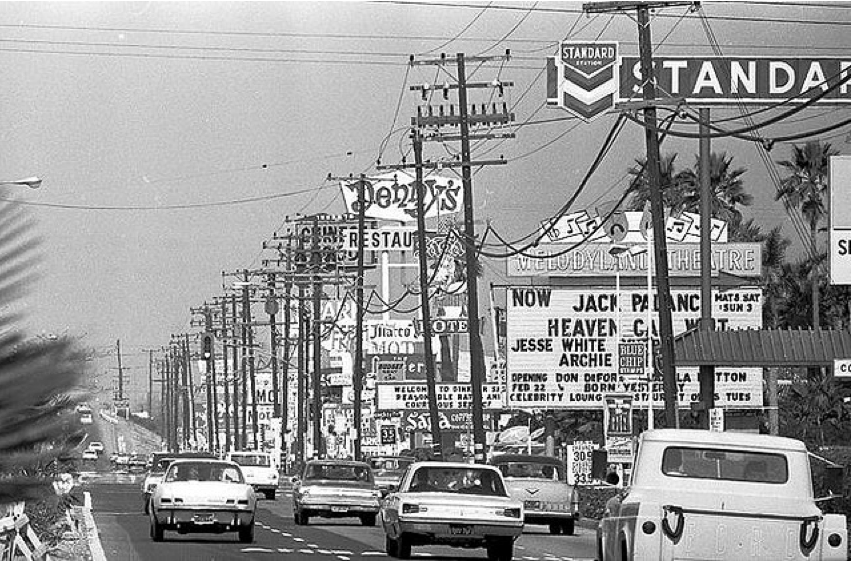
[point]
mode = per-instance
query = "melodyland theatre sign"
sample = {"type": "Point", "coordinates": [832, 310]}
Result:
{"type": "Point", "coordinates": [588, 78]}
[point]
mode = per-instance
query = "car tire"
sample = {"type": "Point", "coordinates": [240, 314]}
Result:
{"type": "Point", "coordinates": [367, 519]}
{"type": "Point", "coordinates": [568, 527]}
{"type": "Point", "coordinates": [555, 528]}
{"type": "Point", "coordinates": [157, 533]}
{"type": "Point", "coordinates": [147, 507]}
{"type": "Point", "coordinates": [246, 533]}
{"type": "Point", "coordinates": [301, 518]}
{"type": "Point", "coordinates": [500, 549]}
{"type": "Point", "coordinates": [270, 495]}
{"type": "Point", "coordinates": [391, 547]}
{"type": "Point", "coordinates": [403, 547]}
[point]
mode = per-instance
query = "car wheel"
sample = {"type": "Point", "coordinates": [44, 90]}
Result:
{"type": "Point", "coordinates": [367, 519]}
{"type": "Point", "coordinates": [391, 547]}
{"type": "Point", "coordinates": [157, 532]}
{"type": "Point", "coordinates": [500, 549]}
{"type": "Point", "coordinates": [301, 518]}
{"type": "Point", "coordinates": [246, 533]}
{"type": "Point", "coordinates": [147, 502]}
{"type": "Point", "coordinates": [403, 547]}
{"type": "Point", "coordinates": [568, 527]}
{"type": "Point", "coordinates": [270, 495]}
{"type": "Point", "coordinates": [555, 528]}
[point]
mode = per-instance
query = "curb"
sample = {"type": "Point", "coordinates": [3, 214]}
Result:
{"type": "Point", "coordinates": [92, 536]}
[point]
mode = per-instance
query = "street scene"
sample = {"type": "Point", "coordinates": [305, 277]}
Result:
{"type": "Point", "coordinates": [538, 281]}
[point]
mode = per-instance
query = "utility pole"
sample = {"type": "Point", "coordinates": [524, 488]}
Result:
{"type": "Point", "coordinates": [213, 408]}
{"type": "Point", "coordinates": [358, 366]}
{"type": "Point", "coordinates": [120, 372]}
{"type": "Point", "coordinates": [317, 340]}
{"type": "Point", "coordinates": [238, 429]}
{"type": "Point", "coordinates": [166, 400]}
{"type": "Point", "coordinates": [657, 208]}
{"type": "Point", "coordinates": [189, 388]}
{"type": "Point", "coordinates": [706, 373]}
{"type": "Point", "coordinates": [225, 383]}
{"type": "Point", "coordinates": [272, 310]}
{"type": "Point", "coordinates": [301, 397]}
{"type": "Point", "coordinates": [250, 330]}
{"type": "Point", "coordinates": [425, 304]}
{"type": "Point", "coordinates": [488, 116]}
{"type": "Point", "coordinates": [285, 382]}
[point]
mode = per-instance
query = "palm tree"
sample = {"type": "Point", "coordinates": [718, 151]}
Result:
{"type": "Point", "coordinates": [639, 184]}
{"type": "Point", "coordinates": [726, 185]}
{"type": "Point", "coordinates": [804, 190]}
{"type": "Point", "coordinates": [36, 377]}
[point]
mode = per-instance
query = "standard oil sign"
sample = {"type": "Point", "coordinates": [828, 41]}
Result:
{"type": "Point", "coordinates": [840, 220]}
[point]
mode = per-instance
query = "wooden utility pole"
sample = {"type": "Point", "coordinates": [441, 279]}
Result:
{"type": "Point", "coordinates": [657, 207]}
{"type": "Point", "coordinates": [302, 374]}
{"type": "Point", "coordinates": [238, 420]}
{"type": "Point", "coordinates": [285, 381]}
{"type": "Point", "coordinates": [225, 383]}
{"type": "Point", "coordinates": [272, 311]}
{"type": "Point", "coordinates": [706, 373]}
{"type": "Point", "coordinates": [488, 116]}
{"type": "Point", "coordinates": [120, 371]}
{"type": "Point", "coordinates": [425, 304]}
{"type": "Point", "coordinates": [358, 358]}
{"type": "Point", "coordinates": [316, 260]}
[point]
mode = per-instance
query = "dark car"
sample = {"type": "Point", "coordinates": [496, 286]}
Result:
{"type": "Point", "coordinates": [336, 489]}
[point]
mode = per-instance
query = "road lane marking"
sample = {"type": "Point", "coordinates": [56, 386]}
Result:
{"type": "Point", "coordinates": [323, 551]}
{"type": "Point", "coordinates": [298, 539]}
{"type": "Point", "coordinates": [305, 550]}
{"type": "Point", "coordinates": [257, 550]}
{"type": "Point", "coordinates": [285, 550]}
{"type": "Point", "coordinates": [341, 552]}
{"type": "Point", "coordinates": [373, 553]}
{"type": "Point", "coordinates": [313, 545]}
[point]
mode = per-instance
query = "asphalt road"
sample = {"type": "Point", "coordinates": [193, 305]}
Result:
{"type": "Point", "coordinates": [123, 529]}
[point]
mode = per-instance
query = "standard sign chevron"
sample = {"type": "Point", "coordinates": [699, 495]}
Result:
{"type": "Point", "coordinates": [583, 78]}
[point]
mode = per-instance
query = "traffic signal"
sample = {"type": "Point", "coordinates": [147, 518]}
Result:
{"type": "Point", "coordinates": [207, 346]}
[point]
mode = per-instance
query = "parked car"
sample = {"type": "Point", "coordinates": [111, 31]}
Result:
{"type": "Point", "coordinates": [200, 495]}
{"type": "Point", "coordinates": [96, 446]}
{"type": "Point", "coordinates": [697, 494]}
{"type": "Point", "coordinates": [540, 482]}
{"type": "Point", "coordinates": [259, 469]}
{"type": "Point", "coordinates": [158, 469]}
{"type": "Point", "coordinates": [336, 489]}
{"type": "Point", "coordinates": [388, 471]}
{"type": "Point", "coordinates": [455, 504]}
{"type": "Point", "coordinates": [138, 463]}
{"type": "Point", "coordinates": [90, 456]}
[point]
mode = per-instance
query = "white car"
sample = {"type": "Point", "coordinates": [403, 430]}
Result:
{"type": "Point", "coordinates": [259, 470]}
{"type": "Point", "coordinates": [455, 504]}
{"type": "Point", "coordinates": [90, 455]}
{"type": "Point", "coordinates": [96, 446]}
{"type": "Point", "coordinates": [199, 495]}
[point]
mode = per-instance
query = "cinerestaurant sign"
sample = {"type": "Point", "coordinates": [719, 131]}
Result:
{"type": "Point", "coordinates": [562, 342]}
{"type": "Point", "coordinates": [589, 78]}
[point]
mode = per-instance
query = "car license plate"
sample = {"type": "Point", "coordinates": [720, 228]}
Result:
{"type": "Point", "coordinates": [534, 505]}
{"type": "Point", "coordinates": [339, 509]}
{"type": "Point", "coordinates": [460, 529]}
{"type": "Point", "coordinates": [203, 518]}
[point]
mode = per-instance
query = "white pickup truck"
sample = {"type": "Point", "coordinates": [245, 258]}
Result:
{"type": "Point", "coordinates": [723, 496]}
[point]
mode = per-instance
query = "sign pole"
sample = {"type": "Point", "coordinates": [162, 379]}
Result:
{"type": "Point", "coordinates": [706, 373]}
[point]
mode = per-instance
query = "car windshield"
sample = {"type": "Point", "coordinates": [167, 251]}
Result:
{"type": "Point", "coordinates": [203, 471]}
{"type": "Point", "coordinates": [338, 472]}
{"type": "Point", "coordinates": [252, 460]}
{"type": "Point", "coordinates": [530, 469]}
{"type": "Point", "coordinates": [162, 465]}
{"type": "Point", "coordinates": [724, 465]}
{"type": "Point", "coordinates": [463, 480]}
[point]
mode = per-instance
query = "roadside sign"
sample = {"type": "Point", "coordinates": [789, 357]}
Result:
{"type": "Point", "coordinates": [444, 326]}
{"type": "Point", "coordinates": [631, 359]}
{"type": "Point", "coordinates": [381, 239]}
{"type": "Point", "coordinates": [395, 396]}
{"type": "Point", "coordinates": [842, 368]}
{"type": "Point", "coordinates": [840, 220]}
{"type": "Point", "coordinates": [716, 419]}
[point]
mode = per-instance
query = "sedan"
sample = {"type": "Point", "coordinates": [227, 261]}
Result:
{"type": "Point", "coordinates": [455, 504]}
{"type": "Point", "coordinates": [336, 489]}
{"type": "Point", "coordinates": [203, 496]}
{"type": "Point", "coordinates": [90, 456]}
{"type": "Point", "coordinates": [96, 446]}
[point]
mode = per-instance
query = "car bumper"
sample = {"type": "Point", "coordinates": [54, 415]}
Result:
{"type": "Point", "coordinates": [333, 508]}
{"type": "Point", "coordinates": [200, 518]}
{"type": "Point", "coordinates": [271, 486]}
{"type": "Point", "coordinates": [460, 530]}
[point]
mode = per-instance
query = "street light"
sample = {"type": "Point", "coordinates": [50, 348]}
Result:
{"type": "Point", "coordinates": [31, 182]}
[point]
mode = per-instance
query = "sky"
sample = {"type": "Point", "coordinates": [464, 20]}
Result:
{"type": "Point", "coordinates": [174, 137]}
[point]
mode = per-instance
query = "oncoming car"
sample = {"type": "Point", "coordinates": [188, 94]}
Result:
{"type": "Point", "coordinates": [259, 470]}
{"type": "Point", "coordinates": [541, 483]}
{"type": "Point", "coordinates": [388, 471]}
{"type": "Point", "coordinates": [203, 496]}
{"type": "Point", "coordinates": [455, 504]}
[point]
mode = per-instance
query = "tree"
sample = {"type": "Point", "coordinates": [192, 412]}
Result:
{"type": "Point", "coordinates": [804, 190]}
{"type": "Point", "coordinates": [37, 377]}
{"type": "Point", "coordinates": [639, 184]}
{"type": "Point", "coordinates": [728, 191]}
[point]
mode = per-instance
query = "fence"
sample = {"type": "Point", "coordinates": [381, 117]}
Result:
{"type": "Point", "coordinates": [17, 537]}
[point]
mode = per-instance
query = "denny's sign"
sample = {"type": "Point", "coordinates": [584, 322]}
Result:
{"type": "Point", "coordinates": [589, 78]}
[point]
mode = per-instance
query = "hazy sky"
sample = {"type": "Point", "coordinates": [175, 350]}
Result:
{"type": "Point", "coordinates": [126, 109]}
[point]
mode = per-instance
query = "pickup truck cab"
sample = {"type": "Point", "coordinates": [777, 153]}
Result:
{"type": "Point", "coordinates": [697, 494]}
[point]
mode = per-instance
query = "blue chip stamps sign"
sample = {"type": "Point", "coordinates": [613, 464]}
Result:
{"type": "Point", "coordinates": [583, 78]}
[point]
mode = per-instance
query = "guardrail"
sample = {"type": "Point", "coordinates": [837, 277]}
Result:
{"type": "Point", "coordinates": [17, 536]}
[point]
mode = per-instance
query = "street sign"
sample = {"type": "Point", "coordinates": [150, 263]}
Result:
{"type": "Point", "coordinates": [388, 434]}
{"type": "Point", "coordinates": [840, 220]}
{"type": "Point", "coordinates": [842, 368]}
{"type": "Point", "coordinates": [716, 419]}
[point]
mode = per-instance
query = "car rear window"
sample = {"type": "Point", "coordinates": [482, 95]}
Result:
{"type": "Point", "coordinates": [725, 465]}
{"type": "Point", "coordinates": [251, 460]}
{"type": "Point", "coordinates": [465, 481]}
{"type": "Point", "coordinates": [203, 471]}
{"type": "Point", "coordinates": [532, 470]}
{"type": "Point", "coordinates": [337, 472]}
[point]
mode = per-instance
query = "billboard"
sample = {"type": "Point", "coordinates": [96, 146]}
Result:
{"type": "Point", "coordinates": [840, 220]}
{"type": "Point", "coordinates": [395, 396]}
{"type": "Point", "coordinates": [561, 345]}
